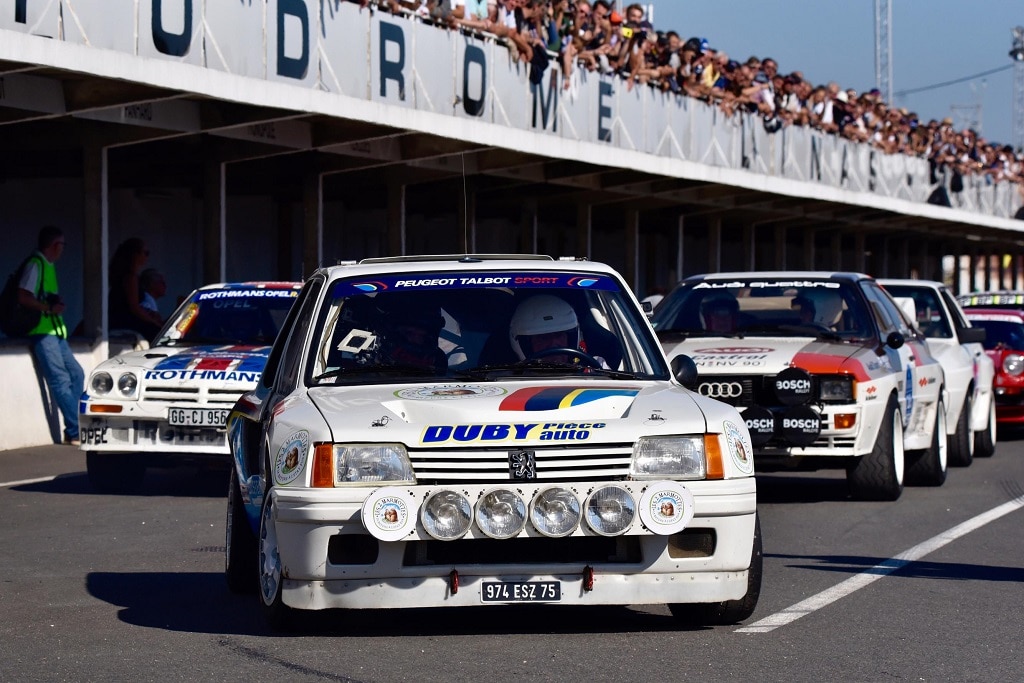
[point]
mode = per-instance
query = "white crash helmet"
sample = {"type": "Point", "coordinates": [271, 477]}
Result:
{"type": "Point", "coordinates": [828, 305]}
{"type": "Point", "coordinates": [542, 314]}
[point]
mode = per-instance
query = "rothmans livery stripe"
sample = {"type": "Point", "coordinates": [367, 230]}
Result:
{"type": "Point", "coordinates": [555, 398]}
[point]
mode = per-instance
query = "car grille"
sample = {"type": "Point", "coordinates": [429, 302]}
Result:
{"type": "Point", "coordinates": [742, 390]}
{"type": "Point", "coordinates": [568, 462]}
{"type": "Point", "coordinates": [174, 393]}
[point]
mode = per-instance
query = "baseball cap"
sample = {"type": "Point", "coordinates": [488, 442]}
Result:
{"type": "Point", "coordinates": [615, 18]}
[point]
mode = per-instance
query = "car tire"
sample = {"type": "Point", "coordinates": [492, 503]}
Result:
{"type": "Point", "coordinates": [928, 467]}
{"type": "Point", "coordinates": [985, 440]}
{"type": "Point", "coordinates": [879, 474]}
{"type": "Point", "coordinates": [961, 444]}
{"type": "Point", "coordinates": [279, 616]}
{"type": "Point", "coordinates": [114, 472]}
{"type": "Point", "coordinates": [729, 611]}
{"type": "Point", "coordinates": [240, 549]}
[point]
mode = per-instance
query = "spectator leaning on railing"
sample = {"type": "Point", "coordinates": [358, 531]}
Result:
{"type": "Point", "coordinates": [593, 35]}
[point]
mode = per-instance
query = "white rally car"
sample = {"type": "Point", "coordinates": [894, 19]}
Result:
{"type": "Point", "coordinates": [971, 411]}
{"type": "Point", "coordinates": [826, 368]}
{"type": "Point", "coordinates": [169, 403]}
{"type": "Point", "coordinates": [474, 430]}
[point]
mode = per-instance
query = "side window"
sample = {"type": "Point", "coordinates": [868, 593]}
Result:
{"type": "Point", "coordinates": [956, 315]}
{"type": "Point", "coordinates": [298, 328]}
{"type": "Point", "coordinates": [884, 310]}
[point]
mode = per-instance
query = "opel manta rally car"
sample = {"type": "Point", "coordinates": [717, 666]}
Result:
{"type": "Point", "coordinates": [826, 368]}
{"type": "Point", "coordinates": [971, 410]}
{"type": "Point", "coordinates": [475, 430]}
{"type": "Point", "coordinates": [170, 403]}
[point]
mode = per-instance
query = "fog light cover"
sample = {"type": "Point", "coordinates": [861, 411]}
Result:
{"type": "Point", "coordinates": [446, 515]}
{"type": "Point", "coordinates": [555, 512]}
{"type": "Point", "coordinates": [501, 513]}
{"type": "Point", "coordinates": [610, 510]}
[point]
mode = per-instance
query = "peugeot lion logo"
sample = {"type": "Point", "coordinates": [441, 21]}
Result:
{"type": "Point", "coordinates": [522, 465]}
{"type": "Point", "coordinates": [721, 389]}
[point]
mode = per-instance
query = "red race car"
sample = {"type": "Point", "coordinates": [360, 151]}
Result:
{"type": "Point", "coordinates": [1004, 343]}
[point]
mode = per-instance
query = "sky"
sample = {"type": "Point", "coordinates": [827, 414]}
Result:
{"type": "Point", "coordinates": [934, 41]}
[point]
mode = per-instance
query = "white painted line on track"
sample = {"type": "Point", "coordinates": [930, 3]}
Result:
{"type": "Point", "coordinates": [868, 576]}
{"type": "Point", "coordinates": [40, 480]}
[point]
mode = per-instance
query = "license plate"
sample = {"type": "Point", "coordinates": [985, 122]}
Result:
{"type": "Point", "coordinates": [197, 417]}
{"type": "Point", "coordinates": [521, 591]}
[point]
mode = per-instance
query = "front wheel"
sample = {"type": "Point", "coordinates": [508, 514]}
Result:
{"type": "Point", "coordinates": [985, 441]}
{"type": "Point", "coordinates": [240, 550]}
{"type": "Point", "coordinates": [928, 467]}
{"type": "Point", "coordinates": [115, 472]}
{"type": "Point", "coordinates": [279, 616]}
{"type": "Point", "coordinates": [879, 474]}
{"type": "Point", "coordinates": [729, 611]}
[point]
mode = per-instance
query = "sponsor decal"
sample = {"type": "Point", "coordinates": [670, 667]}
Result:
{"type": "Point", "coordinates": [768, 284]}
{"type": "Point", "coordinates": [449, 392]}
{"type": "Point", "coordinates": [213, 365]}
{"type": "Point", "coordinates": [736, 350]}
{"type": "Point", "coordinates": [459, 280]}
{"type": "Point", "coordinates": [666, 507]}
{"type": "Point", "coordinates": [909, 394]}
{"type": "Point", "coordinates": [531, 431]}
{"type": "Point", "coordinates": [725, 356]}
{"type": "Point", "coordinates": [187, 319]}
{"type": "Point", "coordinates": [740, 450]}
{"type": "Point", "coordinates": [247, 294]}
{"type": "Point", "coordinates": [390, 513]}
{"type": "Point", "coordinates": [556, 398]}
{"type": "Point", "coordinates": [382, 421]}
{"type": "Point", "coordinates": [654, 418]}
{"type": "Point", "coordinates": [291, 458]}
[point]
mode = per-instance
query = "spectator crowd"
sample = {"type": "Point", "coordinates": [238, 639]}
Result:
{"type": "Point", "coordinates": [596, 36]}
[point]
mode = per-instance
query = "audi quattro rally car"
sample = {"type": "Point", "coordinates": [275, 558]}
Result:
{"type": "Point", "coordinates": [170, 403]}
{"type": "Point", "coordinates": [957, 345]}
{"type": "Point", "coordinates": [1004, 344]}
{"type": "Point", "coordinates": [827, 370]}
{"type": "Point", "coordinates": [471, 430]}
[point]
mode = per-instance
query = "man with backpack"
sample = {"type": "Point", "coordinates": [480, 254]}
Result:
{"type": "Point", "coordinates": [38, 291]}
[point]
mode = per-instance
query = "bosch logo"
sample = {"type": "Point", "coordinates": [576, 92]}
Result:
{"type": "Point", "coordinates": [721, 389]}
{"type": "Point", "coordinates": [761, 425]}
{"type": "Point", "coordinates": [791, 423]}
{"type": "Point", "coordinates": [801, 385]}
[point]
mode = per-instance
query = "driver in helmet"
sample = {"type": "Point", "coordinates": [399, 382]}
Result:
{"type": "Point", "coordinates": [822, 307]}
{"type": "Point", "coordinates": [546, 322]}
{"type": "Point", "coordinates": [413, 336]}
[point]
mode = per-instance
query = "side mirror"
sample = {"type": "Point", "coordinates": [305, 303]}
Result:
{"type": "Point", "coordinates": [685, 371]}
{"type": "Point", "coordinates": [972, 335]}
{"type": "Point", "coordinates": [895, 340]}
{"type": "Point", "coordinates": [648, 308]}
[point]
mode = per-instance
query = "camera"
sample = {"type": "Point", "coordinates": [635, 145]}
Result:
{"type": "Point", "coordinates": [627, 32]}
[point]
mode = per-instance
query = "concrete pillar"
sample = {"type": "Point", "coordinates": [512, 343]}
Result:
{"type": "Point", "coordinates": [715, 244]}
{"type": "Point", "coordinates": [528, 227]}
{"type": "Point", "coordinates": [95, 241]}
{"type": "Point", "coordinates": [809, 249]}
{"type": "Point", "coordinates": [632, 273]}
{"type": "Point", "coordinates": [903, 263]}
{"type": "Point", "coordinates": [836, 249]}
{"type": "Point", "coordinates": [312, 223]}
{"type": "Point", "coordinates": [680, 241]}
{"type": "Point", "coordinates": [780, 247]}
{"type": "Point", "coordinates": [585, 229]}
{"type": "Point", "coordinates": [860, 253]}
{"type": "Point", "coordinates": [749, 245]}
{"type": "Point", "coordinates": [214, 221]}
{"type": "Point", "coordinates": [396, 217]}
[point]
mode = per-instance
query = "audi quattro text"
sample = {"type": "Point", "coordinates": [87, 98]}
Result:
{"type": "Point", "coordinates": [459, 431]}
{"type": "Point", "coordinates": [957, 345]}
{"type": "Point", "coordinates": [169, 403]}
{"type": "Point", "coordinates": [825, 368]}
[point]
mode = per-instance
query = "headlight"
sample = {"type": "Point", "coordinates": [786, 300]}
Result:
{"type": "Point", "coordinates": [127, 384]}
{"type": "Point", "coordinates": [386, 463]}
{"type": "Point", "coordinates": [102, 383]}
{"type": "Point", "coordinates": [836, 390]}
{"type": "Point", "coordinates": [501, 513]}
{"type": "Point", "coordinates": [555, 512]}
{"type": "Point", "coordinates": [446, 515]}
{"type": "Point", "coordinates": [1013, 364]}
{"type": "Point", "coordinates": [676, 457]}
{"type": "Point", "coordinates": [610, 510]}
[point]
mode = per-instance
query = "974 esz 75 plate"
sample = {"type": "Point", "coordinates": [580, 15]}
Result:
{"type": "Point", "coordinates": [521, 591]}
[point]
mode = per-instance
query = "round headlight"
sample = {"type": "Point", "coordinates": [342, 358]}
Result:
{"type": "Point", "coordinates": [501, 513]}
{"type": "Point", "coordinates": [127, 383]}
{"type": "Point", "coordinates": [1013, 364]}
{"type": "Point", "coordinates": [610, 510]}
{"type": "Point", "coordinates": [555, 512]}
{"type": "Point", "coordinates": [446, 515]}
{"type": "Point", "coordinates": [102, 383]}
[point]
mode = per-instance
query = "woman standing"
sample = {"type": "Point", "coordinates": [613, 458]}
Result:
{"type": "Point", "coordinates": [124, 301]}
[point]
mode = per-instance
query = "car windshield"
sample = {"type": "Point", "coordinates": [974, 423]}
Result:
{"type": "Point", "coordinates": [480, 326]}
{"type": "Point", "coordinates": [1005, 333]}
{"type": "Point", "coordinates": [236, 315]}
{"type": "Point", "coordinates": [770, 307]}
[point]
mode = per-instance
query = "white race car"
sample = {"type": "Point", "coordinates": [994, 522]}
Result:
{"type": "Point", "coordinates": [169, 403]}
{"type": "Point", "coordinates": [971, 411]}
{"type": "Point", "coordinates": [826, 368]}
{"type": "Point", "coordinates": [475, 430]}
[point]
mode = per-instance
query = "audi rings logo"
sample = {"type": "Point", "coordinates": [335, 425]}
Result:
{"type": "Point", "coordinates": [721, 389]}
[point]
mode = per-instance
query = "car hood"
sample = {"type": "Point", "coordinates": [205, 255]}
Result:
{"type": "Point", "coordinates": [214, 363]}
{"type": "Point", "coordinates": [448, 414]}
{"type": "Point", "coordinates": [763, 355]}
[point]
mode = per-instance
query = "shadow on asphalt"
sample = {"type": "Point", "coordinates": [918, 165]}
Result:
{"type": "Point", "coordinates": [189, 482]}
{"type": "Point", "coordinates": [801, 487]}
{"type": "Point", "coordinates": [201, 603]}
{"type": "Point", "coordinates": [850, 564]}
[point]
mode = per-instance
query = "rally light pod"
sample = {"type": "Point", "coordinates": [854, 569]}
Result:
{"type": "Point", "coordinates": [610, 510]}
{"type": "Point", "coordinates": [801, 426]}
{"type": "Point", "coordinates": [446, 515]}
{"type": "Point", "coordinates": [760, 423]}
{"type": "Point", "coordinates": [389, 514]}
{"type": "Point", "coordinates": [793, 386]}
{"type": "Point", "coordinates": [666, 507]}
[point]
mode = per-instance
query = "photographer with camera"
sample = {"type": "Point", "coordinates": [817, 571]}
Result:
{"type": "Point", "coordinates": [63, 374]}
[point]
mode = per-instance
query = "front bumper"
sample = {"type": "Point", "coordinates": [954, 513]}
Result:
{"type": "Point", "coordinates": [707, 562]}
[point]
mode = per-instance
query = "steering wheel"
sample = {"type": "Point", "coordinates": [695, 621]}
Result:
{"type": "Point", "coordinates": [587, 360]}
